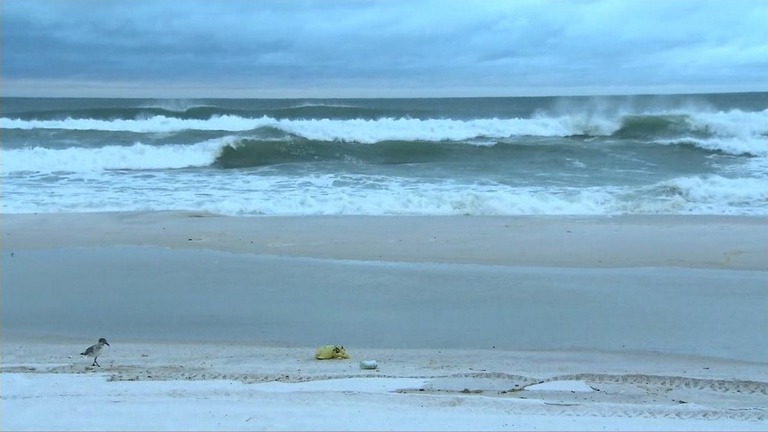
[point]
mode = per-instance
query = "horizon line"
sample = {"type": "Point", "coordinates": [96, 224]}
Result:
{"type": "Point", "coordinates": [479, 96]}
{"type": "Point", "coordinates": [134, 90]}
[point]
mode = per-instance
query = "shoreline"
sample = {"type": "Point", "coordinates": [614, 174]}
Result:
{"type": "Point", "coordinates": [203, 295]}
{"type": "Point", "coordinates": [686, 285]}
{"type": "Point", "coordinates": [728, 242]}
{"type": "Point", "coordinates": [556, 323]}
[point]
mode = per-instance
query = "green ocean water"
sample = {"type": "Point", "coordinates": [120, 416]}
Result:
{"type": "Point", "coordinates": [670, 154]}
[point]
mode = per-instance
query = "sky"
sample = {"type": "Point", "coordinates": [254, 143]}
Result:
{"type": "Point", "coordinates": [386, 48]}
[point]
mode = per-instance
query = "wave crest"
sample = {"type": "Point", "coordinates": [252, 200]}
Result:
{"type": "Point", "coordinates": [138, 156]}
{"type": "Point", "coordinates": [733, 131]}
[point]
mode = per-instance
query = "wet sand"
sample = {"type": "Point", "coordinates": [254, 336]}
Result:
{"type": "Point", "coordinates": [666, 308]}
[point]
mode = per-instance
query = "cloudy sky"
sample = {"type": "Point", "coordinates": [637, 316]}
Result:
{"type": "Point", "coordinates": [368, 48]}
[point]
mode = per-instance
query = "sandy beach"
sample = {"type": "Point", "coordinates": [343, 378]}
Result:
{"type": "Point", "coordinates": [481, 323]}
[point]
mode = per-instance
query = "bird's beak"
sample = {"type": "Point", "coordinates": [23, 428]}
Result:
{"type": "Point", "coordinates": [107, 343]}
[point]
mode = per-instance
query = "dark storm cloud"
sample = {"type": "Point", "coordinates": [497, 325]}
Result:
{"type": "Point", "coordinates": [509, 47]}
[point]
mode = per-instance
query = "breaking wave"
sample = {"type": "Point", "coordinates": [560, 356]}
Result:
{"type": "Point", "coordinates": [733, 132]}
{"type": "Point", "coordinates": [460, 156]}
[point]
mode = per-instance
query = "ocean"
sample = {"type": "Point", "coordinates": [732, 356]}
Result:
{"type": "Point", "coordinates": [666, 154]}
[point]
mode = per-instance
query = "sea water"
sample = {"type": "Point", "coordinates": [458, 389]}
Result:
{"type": "Point", "coordinates": [671, 154]}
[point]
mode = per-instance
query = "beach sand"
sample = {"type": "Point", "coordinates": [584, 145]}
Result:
{"type": "Point", "coordinates": [476, 323]}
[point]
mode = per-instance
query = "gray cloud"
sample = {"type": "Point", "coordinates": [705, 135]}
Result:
{"type": "Point", "coordinates": [383, 47]}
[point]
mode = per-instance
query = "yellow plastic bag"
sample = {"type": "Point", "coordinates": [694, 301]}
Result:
{"type": "Point", "coordinates": [328, 352]}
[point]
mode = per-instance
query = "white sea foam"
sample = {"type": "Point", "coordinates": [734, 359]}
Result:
{"type": "Point", "coordinates": [142, 125]}
{"type": "Point", "coordinates": [354, 130]}
{"type": "Point", "coordinates": [733, 132]}
{"type": "Point", "coordinates": [733, 123]}
{"type": "Point", "coordinates": [136, 156]}
{"type": "Point", "coordinates": [729, 131]}
{"type": "Point", "coordinates": [237, 193]}
{"type": "Point", "coordinates": [709, 193]}
{"type": "Point", "coordinates": [142, 156]}
{"type": "Point", "coordinates": [177, 105]}
{"type": "Point", "coordinates": [753, 146]}
{"type": "Point", "coordinates": [49, 179]}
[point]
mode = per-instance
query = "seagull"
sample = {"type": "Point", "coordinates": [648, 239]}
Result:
{"type": "Point", "coordinates": [95, 350]}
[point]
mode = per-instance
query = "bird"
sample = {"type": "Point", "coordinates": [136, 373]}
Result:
{"type": "Point", "coordinates": [95, 350]}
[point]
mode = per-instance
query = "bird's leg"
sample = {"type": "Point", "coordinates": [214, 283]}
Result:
{"type": "Point", "coordinates": [95, 363]}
